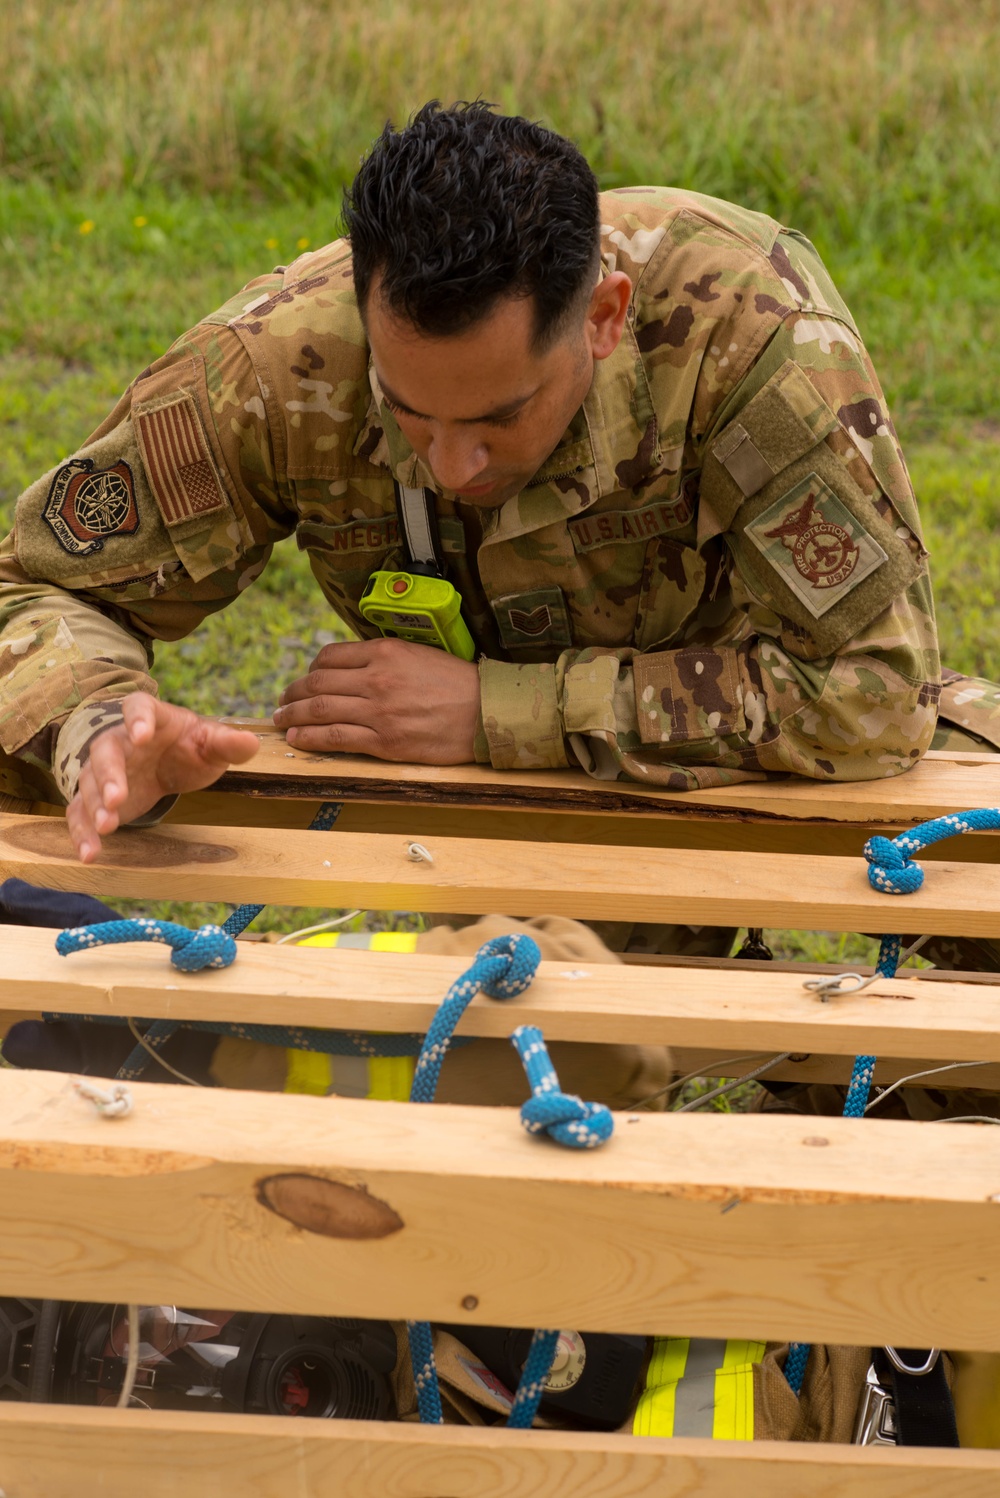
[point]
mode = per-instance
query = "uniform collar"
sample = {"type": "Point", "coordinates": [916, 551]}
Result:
{"type": "Point", "coordinates": [611, 443]}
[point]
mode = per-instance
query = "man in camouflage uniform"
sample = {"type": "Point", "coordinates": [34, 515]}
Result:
{"type": "Point", "coordinates": [667, 487]}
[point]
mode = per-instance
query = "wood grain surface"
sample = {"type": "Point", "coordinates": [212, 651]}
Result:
{"type": "Point", "coordinates": [933, 787]}
{"type": "Point", "coordinates": [48, 1452]}
{"type": "Point", "coordinates": [472, 877]}
{"type": "Point", "coordinates": [829, 1229]}
{"type": "Point", "coordinates": [711, 1009]}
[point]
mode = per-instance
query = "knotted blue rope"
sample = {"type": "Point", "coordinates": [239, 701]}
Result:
{"type": "Point", "coordinates": [193, 951]}
{"type": "Point", "coordinates": [503, 968]}
{"type": "Point", "coordinates": [162, 1031]}
{"type": "Point", "coordinates": [891, 871]}
{"type": "Point", "coordinates": [890, 868]}
{"type": "Point", "coordinates": [565, 1117]}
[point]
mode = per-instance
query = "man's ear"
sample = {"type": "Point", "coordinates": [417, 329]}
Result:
{"type": "Point", "coordinates": [607, 312]}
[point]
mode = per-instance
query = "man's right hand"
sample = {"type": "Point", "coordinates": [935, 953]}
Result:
{"type": "Point", "coordinates": [158, 750]}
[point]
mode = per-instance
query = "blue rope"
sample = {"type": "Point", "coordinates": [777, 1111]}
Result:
{"type": "Point", "coordinates": [531, 1386]}
{"type": "Point", "coordinates": [161, 1032]}
{"type": "Point", "coordinates": [324, 1042]}
{"type": "Point", "coordinates": [425, 1376]}
{"type": "Point", "coordinates": [502, 968]}
{"type": "Point", "coordinates": [193, 951]}
{"type": "Point", "coordinates": [240, 919]}
{"type": "Point", "coordinates": [891, 871]}
{"type": "Point", "coordinates": [213, 946]}
{"type": "Point", "coordinates": [565, 1117]}
{"type": "Point", "coordinates": [890, 868]}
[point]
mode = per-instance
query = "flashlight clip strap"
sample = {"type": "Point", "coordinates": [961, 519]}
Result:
{"type": "Point", "coordinates": [417, 517]}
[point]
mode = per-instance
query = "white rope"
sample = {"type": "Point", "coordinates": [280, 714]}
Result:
{"type": "Point", "coordinates": [132, 1364]}
{"type": "Point", "coordinates": [673, 1086]}
{"type": "Point", "coordinates": [157, 1057]}
{"type": "Point", "coordinates": [116, 1103]}
{"type": "Point", "coordinates": [750, 1076]}
{"type": "Point", "coordinates": [418, 853]}
{"type": "Point", "coordinates": [931, 1072]}
{"type": "Point", "coordinates": [835, 984]}
{"type": "Point", "coordinates": [337, 920]}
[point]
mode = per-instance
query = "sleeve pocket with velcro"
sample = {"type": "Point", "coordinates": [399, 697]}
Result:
{"type": "Point", "coordinates": [807, 540]}
{"type": "Point", "coordinates": [173, 431]}
{"type": "Point", "coordinates": [137, 500]}
{"type": "Point", "coordinates": [688, 696]}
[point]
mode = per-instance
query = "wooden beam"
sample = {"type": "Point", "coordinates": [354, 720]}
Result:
{"type": "Point", "coordinates": [832, 1230]}
{"type": "Point", "coordinates": [469, 877]}
{"type": "Point", "coordinates": [931, 789]}
{"type": "Point", "coordinates": [634, 830]}
{"type": "Point", "coordinates": [707, 1009]}
{"type": "Point", "coordinates": [52, 1452]}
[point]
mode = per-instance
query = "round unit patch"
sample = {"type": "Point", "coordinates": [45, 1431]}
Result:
{"type": "Point", "coordinates": [825, 554]}
{"type": "Point", "coordinates": [85, 505]}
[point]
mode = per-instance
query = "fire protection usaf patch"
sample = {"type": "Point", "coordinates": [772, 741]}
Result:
{"type": "Point", "coordinates": [86, 505]}
{"type": "Point", "coordinates": [819, 548]}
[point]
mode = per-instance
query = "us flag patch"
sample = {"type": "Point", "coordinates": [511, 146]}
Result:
{"type": "Point", "coordinates": [178, 462]}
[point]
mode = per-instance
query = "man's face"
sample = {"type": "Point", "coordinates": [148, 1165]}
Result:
{"type": "Point", "coordinates": [482, 408]}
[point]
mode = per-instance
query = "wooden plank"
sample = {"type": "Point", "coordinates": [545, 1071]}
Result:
{"type": "Point", "coordinates": [469, 877]}
{"type": "Point", "coordinates": [931, 789]}
{"type": "Point", "coordinates": [642, 830]}
{"type": "Point", "coordinates": [49, 1452]}
{"type": "Point", "coordinates": [832, 1230]}
{"type": "Point", "coordinates": [707, 1009]}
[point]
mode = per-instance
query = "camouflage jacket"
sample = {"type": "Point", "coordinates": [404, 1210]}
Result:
{"type": "Point", "coordinates": [717, 574]}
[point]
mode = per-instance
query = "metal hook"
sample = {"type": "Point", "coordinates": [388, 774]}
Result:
{"type": "Point", "coordinates": [901, 1367]}
{"type": "Point", "coordinates": [824, 987]}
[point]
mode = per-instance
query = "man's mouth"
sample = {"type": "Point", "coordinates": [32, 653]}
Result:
{"type": "Point", "coordinates": [475, 491]}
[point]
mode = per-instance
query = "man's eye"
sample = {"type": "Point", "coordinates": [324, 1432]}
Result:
{"type": "Point", "coordinates": [398, 410]}
{"type": "Point", "coordinates": [505, 421]}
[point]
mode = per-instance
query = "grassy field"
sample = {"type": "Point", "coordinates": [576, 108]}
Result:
{"type": "Point", "coordinates": [154, 156]}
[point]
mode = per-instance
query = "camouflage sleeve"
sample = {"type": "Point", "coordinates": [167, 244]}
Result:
{"type": "Point", "coordinates": [163, 516]}
{"type": "Point", "coordinates": [826, 664]}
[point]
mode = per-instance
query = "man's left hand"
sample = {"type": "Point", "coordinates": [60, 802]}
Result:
{"type": "Point", "coordinates": [388, 698]}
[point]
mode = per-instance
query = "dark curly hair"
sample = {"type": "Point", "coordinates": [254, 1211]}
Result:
{"type": "Point", "coordinates": [463, 207]}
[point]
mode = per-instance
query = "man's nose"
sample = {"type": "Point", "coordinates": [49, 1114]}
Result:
{"type": "Point", "coordinates": [456, 458]}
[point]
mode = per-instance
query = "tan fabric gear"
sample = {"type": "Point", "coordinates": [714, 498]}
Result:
{"type": "Point", "coordinates": [489, 1071]}
{"type": "Point", "coordinates": [976, 1391]}
{"type": "Point", "coordinates": [828, 1405]}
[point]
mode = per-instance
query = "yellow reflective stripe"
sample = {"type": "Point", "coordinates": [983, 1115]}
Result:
{"type": "Point", "coordinates": [394, 941]}
{"type": "Point", "coordinates": [654, 1414]}
{"type": "Point", "coordinates": [374, 941]}
{"type": "Point", "coordinates": [733, 1418]}
{"type": "Point", "coordinates": [738, 1353]}
{"type": "Point", "coordinates": [390, 1078]}
{"type": "Point", "coordinates": [308, 1071]}
{"type": "Point", "coordinates": [723, 1396]}
{"type": "Point", "coordinates": [668, 1361]}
